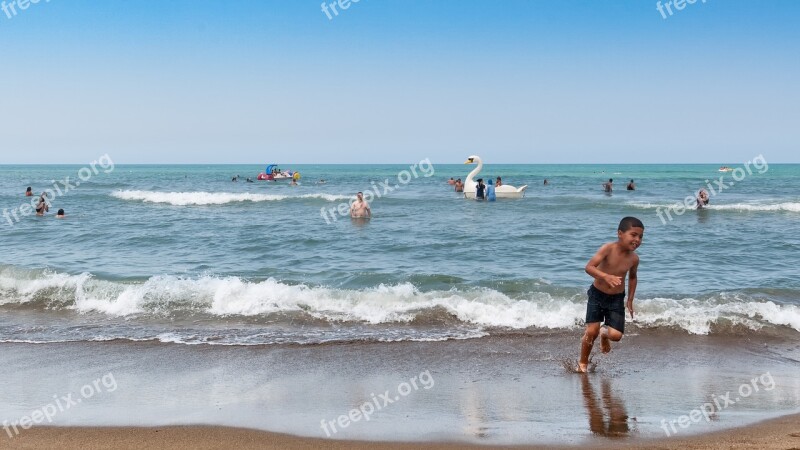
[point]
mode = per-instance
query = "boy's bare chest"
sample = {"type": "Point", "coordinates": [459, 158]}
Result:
{"type": "Point", "coordinates": [619, 263]}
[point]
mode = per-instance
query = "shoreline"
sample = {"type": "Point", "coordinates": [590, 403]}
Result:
{"type": "Point", "coordinates": [508, 391]}
{"type": "Point", "coordinates": [779, 433]}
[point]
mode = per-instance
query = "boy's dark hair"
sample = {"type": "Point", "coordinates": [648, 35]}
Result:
{"type": "Point", "coordinates": [60, 212]}
{"type": "Point", "coordinates": [629, 222]}
{"type": "Point", "coordinates": [610, 180]}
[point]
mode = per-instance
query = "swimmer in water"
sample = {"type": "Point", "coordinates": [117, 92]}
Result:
{"type": "Point", "coordinates": [360, 208]}
{"type": "Point", "coordinates": [42, 205]}
{"type": "Point", "coordinates": [702, 199]}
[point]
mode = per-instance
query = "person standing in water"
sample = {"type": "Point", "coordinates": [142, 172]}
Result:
{"type": "Point", "coordinates": [360, 208]}
{"type": "Point", "coordinates": [490, 195]}
{"type": "Point", "coordinates": [480, 190]}
{"type": "Point", "coordinates": [42, 206]}
{"type": "Point", "coordinates": [29, 192]}
{"type": "Point", "coordinates": [631, 186]}
{"type": "Point", "coordinates": [702, 199]}
{"type": "Point", "coordinates": [608, 186]}
{"type": "Point", "coordinates": [609, 267]}
{"type": "Point", "coordinates": [459, 186]}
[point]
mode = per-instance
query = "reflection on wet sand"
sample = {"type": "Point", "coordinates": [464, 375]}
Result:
{"type": "Point", "coordinates": [608, 417]}
{"type": "Point", "coordinates": [473, 410]}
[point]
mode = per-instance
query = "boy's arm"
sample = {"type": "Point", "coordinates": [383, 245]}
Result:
{"type": "Point", "coordinates": [632, 281]}
{"type": "Point", "coordinates": [591, 267]}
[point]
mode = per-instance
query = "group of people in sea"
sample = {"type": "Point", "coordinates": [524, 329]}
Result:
{"type": "Point", "coordinates": [457, 184]}
{"type": "Point", "coordinates": [608, 186]}
{"type": "Point", "coordinates": [43, 204]}
{"type": "Point", "coordinates": [484, 191]}
{"type": "Point", "coordinates": [250, 180]}
{"type": "Point", "coordinates": [701, 196]}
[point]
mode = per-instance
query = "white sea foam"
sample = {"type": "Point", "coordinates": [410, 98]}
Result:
{"type": "Point", "coordinates": [744, 207]}
{"type": "Point", "coordinates": [401, 303]}
{"type": "Point", "coordinates": [786, 206]}
{"type": "Point", "coordinates": [698, 316]}
{"type": "Point", "coordinates": [215, 198]}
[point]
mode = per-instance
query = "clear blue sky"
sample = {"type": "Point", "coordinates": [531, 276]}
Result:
{"type": "Point", "coordinates": [393, 81]}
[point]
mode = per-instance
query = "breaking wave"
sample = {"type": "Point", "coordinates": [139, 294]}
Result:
{"type": "Point", "coordinates": [215, 198]}
{"type": "Point", "coordinates": [403, 304]}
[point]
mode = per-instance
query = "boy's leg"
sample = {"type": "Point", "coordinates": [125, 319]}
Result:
{"type": "Point", "coordinates": [594, 315]}
{"type": "Point", "coordinates": [605, 344]}
{"type": "Point", "coordinates": [587, 342]}
{"type": "Point", "coordinates": [608, 334]}
{"type": "Point", "coordinates": [614, 327]}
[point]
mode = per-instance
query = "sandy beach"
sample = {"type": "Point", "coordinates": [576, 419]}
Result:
{"type": "Point", "coordinates": [777, 434]}
{"type": "Point", "coordinates": [503, 391]}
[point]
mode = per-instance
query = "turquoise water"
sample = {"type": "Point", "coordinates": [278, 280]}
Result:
{"type": "Point", "coordinates": [182, 254]}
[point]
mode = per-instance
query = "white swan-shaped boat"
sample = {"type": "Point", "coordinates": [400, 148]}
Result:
{"type": "Point", "coordinates": [504, 191]}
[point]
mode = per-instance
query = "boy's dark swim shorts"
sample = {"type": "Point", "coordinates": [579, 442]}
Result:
{"type": "Point", "coordinates": [606, 308]}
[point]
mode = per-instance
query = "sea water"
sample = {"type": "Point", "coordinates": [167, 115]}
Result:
{"type": "Point", "coordinates": [182, 254]}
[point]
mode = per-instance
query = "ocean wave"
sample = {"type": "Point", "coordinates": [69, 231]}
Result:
{"type": "Point", "coordinates": [401, 304]}
{"type": "Point", "coordinates": [741, 207]}
{"type": "Point", "coordinates": [786, 206]}
{"type": "Point", "coordinates": [257, 340]}
{"type": "Point", "coordinates": [216, 198]}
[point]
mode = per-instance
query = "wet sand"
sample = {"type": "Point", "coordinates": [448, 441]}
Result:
{"type": "Point", "coordinates": [499, 391]}
{"type": "Point", "coordinates": [777, 434]}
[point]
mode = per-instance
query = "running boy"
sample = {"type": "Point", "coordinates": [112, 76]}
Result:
{"type": "Point", "coordinates": [608, 267]}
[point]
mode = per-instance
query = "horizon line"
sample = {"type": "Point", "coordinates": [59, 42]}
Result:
{"type": "Point", "coordinates": [383, 164]}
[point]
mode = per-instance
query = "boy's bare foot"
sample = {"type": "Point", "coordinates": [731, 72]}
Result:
{"type": "Point", "coordinates": [605, 344]}
{"type": "Point", "coordinates": [582, 367]}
